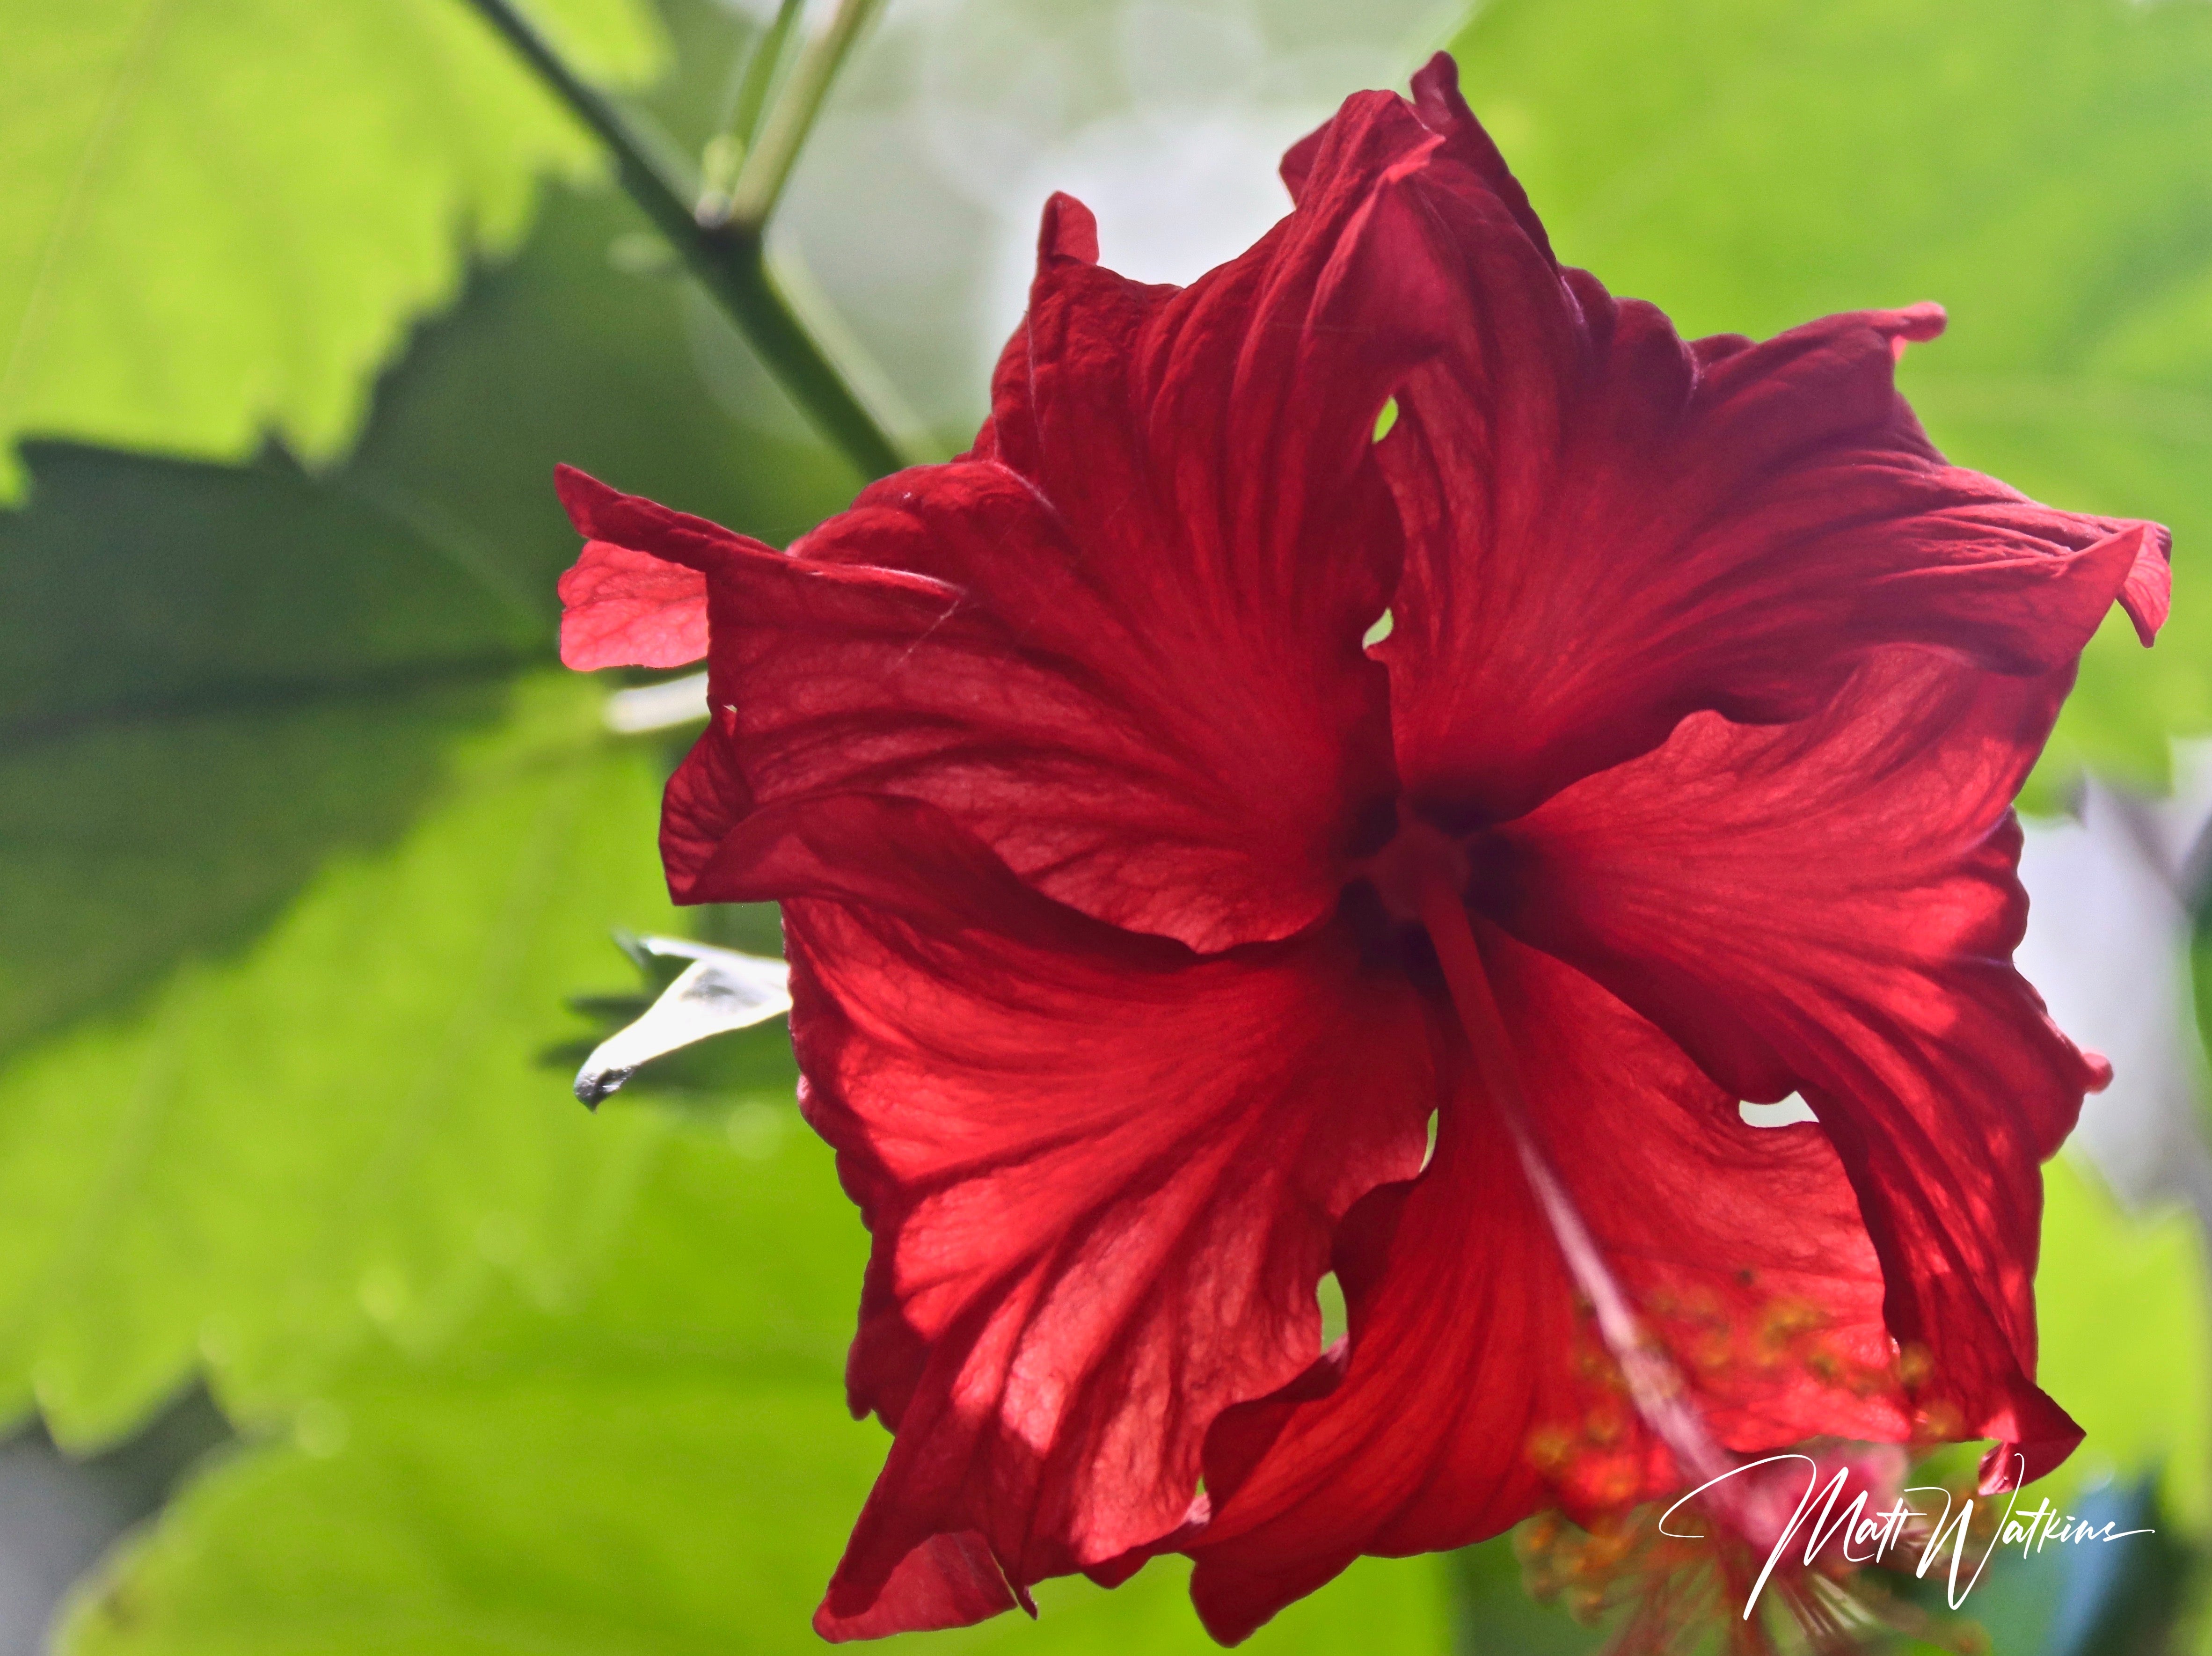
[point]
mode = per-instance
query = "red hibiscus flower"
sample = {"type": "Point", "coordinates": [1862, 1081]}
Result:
{"type": "Point", "coordinates": [1142, 917]}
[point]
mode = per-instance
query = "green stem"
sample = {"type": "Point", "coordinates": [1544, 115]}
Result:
{"type": "Point", "coordinates": [737, 124]}
{"type": "Point", "coordinates": [727, 258]}
{"type": "Point", "coordinates": [768, 164]}
{"type": "Point", "coordinates": [760, 74]}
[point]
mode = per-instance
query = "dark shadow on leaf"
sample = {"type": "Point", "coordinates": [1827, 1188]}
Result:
{"type": "Point", "coordinates": [214, 678]}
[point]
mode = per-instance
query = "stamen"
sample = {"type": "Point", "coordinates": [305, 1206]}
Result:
{"type": "Point", "coordinates": [1654, 1385]}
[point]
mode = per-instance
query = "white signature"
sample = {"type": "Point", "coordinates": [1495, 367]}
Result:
{"type": "Point", "coordinates": [1867, 1537]}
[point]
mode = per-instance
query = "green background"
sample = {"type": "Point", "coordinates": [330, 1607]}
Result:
{"type": "Point", "coordinates": [306, 843]}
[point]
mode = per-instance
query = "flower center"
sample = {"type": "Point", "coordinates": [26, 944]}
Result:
{"type": "Point", "coordinates": [1421, 876]}
{"type": "Point", "coordinates": [1417, 858]}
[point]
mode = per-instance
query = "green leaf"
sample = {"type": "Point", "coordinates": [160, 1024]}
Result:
{"type": "Point", "coordinates": [167, 627]}
{"type": "Point", "coordinates": [260, 770]}
{"type": "Point", "coordinates": [2043, 167]}
{"type": "Point", "coordinates": [2126, 1341]}
{"type": "Point", "coordinates": [223, 217]}
{"type": "Point", "coordinates": [345, 1122]}
{"type": "Point", "coordinates": [669, 1469]}
{"type": "Point", "coordinates": [1498, 1616]}
{"type": "Point", "coordinates": [196, 715]}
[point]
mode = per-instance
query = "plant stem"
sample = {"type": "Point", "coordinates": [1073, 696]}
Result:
{"type": "Point", "coordinates": [768, 164]}
{"type": "Point", "coordinates": [726, 257]}
{"type": "Point", "coordinates": [760, 74]}
{"type": "Point", "coordinates": [738, 125]}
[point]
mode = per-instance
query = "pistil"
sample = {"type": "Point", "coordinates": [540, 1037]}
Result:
{"type": "Point", "coordinates": [1654, 1384]}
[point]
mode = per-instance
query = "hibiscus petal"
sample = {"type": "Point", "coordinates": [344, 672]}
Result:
{"type": "Point", "coordinates": [1739, 1248]}
{"type": "Point", "coordinates": [624, 608]}
{"type": "Point", "coordinates": [1101, 1172]}
{"type": "Point", "coordinates": [1608, 529]}
{"type": "Point", "coordinates": [1831, 907]}
{"type": "Point", "coordinates": [1121, 641]}
{"type": "Point", "coordinates": [948, 1581]}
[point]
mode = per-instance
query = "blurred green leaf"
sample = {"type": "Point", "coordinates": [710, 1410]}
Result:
{"type": "Point", "coordinates": [2126, 1345]}
{"type": "Point", "coordinates": [211, 680]}
{"type": "Point", "coordinates": [212, 677]}
{"type": "Point", "coordinates": [299, 886]}
{"type": "Point", "coordinates": [1495, 1616]}
{"type": "Point", "coordinates": [214, 681]}
{"type": "Point", "coordinates": [671, 1469]}
{"type": "Point", "coordinates": [343, 1123]}
{"type": "Point", "coordinates": [223, 217]}
{"type": "Point", "coordinates": [2044, 168]}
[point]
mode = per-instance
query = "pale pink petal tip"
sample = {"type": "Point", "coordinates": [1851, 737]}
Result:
{"type": "Point", "coordinates": [1914, 324]}
{"type": "Point", "coordinates": [624, 608]}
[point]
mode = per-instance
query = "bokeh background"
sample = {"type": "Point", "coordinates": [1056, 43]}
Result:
{"type": "Point", "coordinates": [328, 1322]}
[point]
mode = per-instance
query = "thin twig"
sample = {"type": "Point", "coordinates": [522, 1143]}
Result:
{"type": "Point", "coordinates": [760, 74]}
{"type": "Point", "coordinates": [726, 257]}
{"type": "Point", "coordinates": [767, 163]}
{"type": "Point", "coordinates": [736, 126]}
